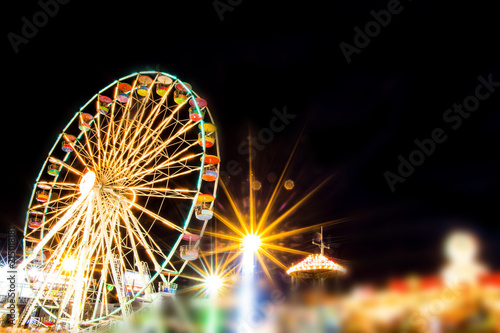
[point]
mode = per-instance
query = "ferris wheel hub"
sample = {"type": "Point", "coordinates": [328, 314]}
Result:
{"type": "Point", "coordinates": [87, 182]}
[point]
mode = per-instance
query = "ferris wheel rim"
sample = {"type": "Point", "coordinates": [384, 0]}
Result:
{"type": "Point", "coordinates": [188, 218]}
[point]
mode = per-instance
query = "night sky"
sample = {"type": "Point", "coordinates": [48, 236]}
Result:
{"type": "Point", "coordinates": [248, 58]}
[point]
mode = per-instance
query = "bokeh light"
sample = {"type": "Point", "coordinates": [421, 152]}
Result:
{"type": "Point", "coordinates": [271, 177]}
{"type": "Point", "coordinates": [69, 264]}
{"type": "Point", "coordinates": [256, 185]}
{"type": "Point", "coordinates": [289, 184]}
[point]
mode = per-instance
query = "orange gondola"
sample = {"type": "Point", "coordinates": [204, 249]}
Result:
{"type": "Point", "coordinates": [123, 92]}
{"type": "Point", "coordinates": [210, 173]}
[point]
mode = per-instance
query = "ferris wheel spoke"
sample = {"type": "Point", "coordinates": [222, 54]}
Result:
{"type": "Point", "coordinates": [149, 151]}
{"type": "Point", "coordinates": [97, 131]}
{"type": "Point", "coordinates": [51, 202]}
{"type": "Point", "coordinates": [65, 165]}
{"type": "Point", "coordinates": [166, 178]}
{"type": "Point", "coordinates": [164, 123]}
{"type": "Point", "coordinates": [68, 238]}
{"type": "Point", "coordinates": [82, 154]}
{"type": "Point", "coordinates": [90, 152]}
{"type": "Point", "coordinates": [143, 234]}
{"type": "Point", "coordinates": [114, 153]}
{"type": "Point", "coordinates": [167, 163]}
{"type": "Point", "coordinates": [115, 230]}
{"type": "Point", "coordinates": [183, 142]}
{"type": "Point", "coordinates": [79, 149]}
{"type": "Point", "coordinates": [107, 235]}
{"type": "Point", "coordinates": [164, 192]}
{"type": "Point", "coordinates": [134, 230]}
{"type": "Point", "coordinates": [55, 215]}
{"type": "Point", "coordinates": [102, 129]}
{"type": "Point", "coordinates": [175, 149]}
{"type": "Point", "coordinates": [153, 215]}
{"type": "Point", "coordinates": [178, 153]}
{"type": "Point", "coordinates": [111, 124]}
{"type": "Point", "coordinates": [123, 129]}
{"type": "Point", "coordinates": [45, 224]}
{"type": "Point", "coordinates": [102, 133]}
{"type": "Point", "coordinates": [64, 219]}
{"type": "Point", "coordinates": [99, 304]}
{"type": "Point", "coordinates": [185, 128]}
{"type": "Point", "coordinates": [60, 185]}
{"type": "Point", "coordinates": [51, 270]}
{"type": "Point", "coordinates": [151, 114]}
{"type": "Point", "coordinates": [143, 124]}
{"type": "Point", "coordinates": [82, 272]}
{"type": "Point", "coordinates": [182, 163]}
{"type": "Point", "coordinates": [118, 273]}
{"type": "Point", "coordinates": [69, 279]}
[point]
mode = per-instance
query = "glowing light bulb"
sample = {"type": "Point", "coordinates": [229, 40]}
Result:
{"type": "Point", "coordinates": [213, 283]}
{"type": "Point", "coordinates": [251, 243]}
{"type": "Point", "coordinates": [69, 264]}
{"type": "Point", "coordinates": [87, 182]}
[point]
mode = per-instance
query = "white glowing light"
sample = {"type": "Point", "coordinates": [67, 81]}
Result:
{"type": "Point", "coordinates": [213, 283]}
{"type": "Point", "coordinates": [461, 247]}
{"type": "Point", "coordinates": [251, 243]}
{"type": "Point", "coordinates": [87, 182]}
{"type": "Point", "coordinates": [69, 264]}
{"type": "Point", "coordinates": [33, 272]}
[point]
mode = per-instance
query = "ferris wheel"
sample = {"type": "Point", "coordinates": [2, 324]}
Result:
{"type": "Point", "coordinates": [103, 227]}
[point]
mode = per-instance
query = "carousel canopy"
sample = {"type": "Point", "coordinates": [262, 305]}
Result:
{"type": "Point", "coordinates": [316, 266]}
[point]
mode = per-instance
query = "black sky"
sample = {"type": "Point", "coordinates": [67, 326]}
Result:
{"type": "Point", "coordinates": [357, 117]}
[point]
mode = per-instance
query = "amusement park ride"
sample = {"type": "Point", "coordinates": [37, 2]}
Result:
{"type": "Point", "coordinates": [102, 224]}
{"type": "Point", "coordinates": [316, 266]}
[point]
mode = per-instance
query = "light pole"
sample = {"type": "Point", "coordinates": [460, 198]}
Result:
{"type": "Point", "coordinates": [322, 246]}
{"type": "Point", "coordinates": [251, 244]}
